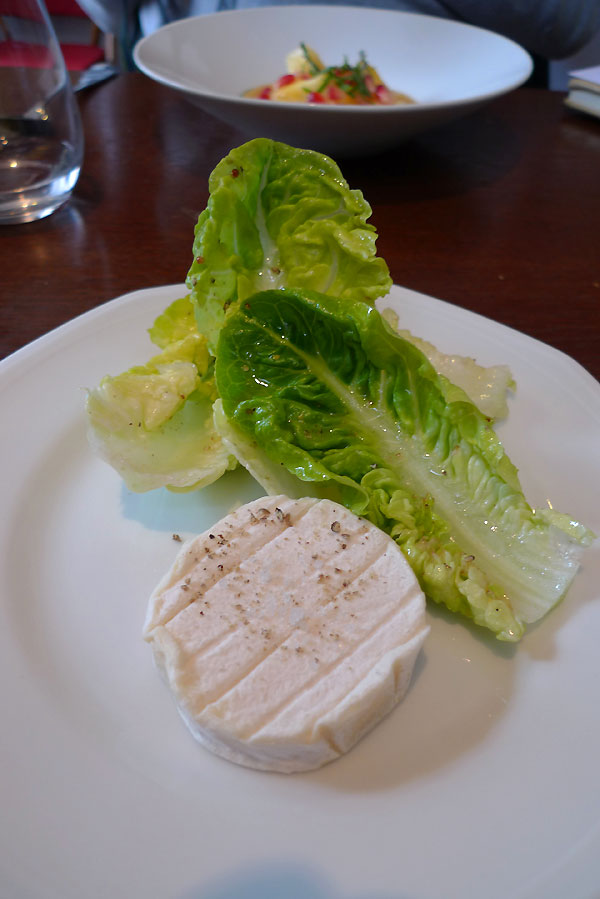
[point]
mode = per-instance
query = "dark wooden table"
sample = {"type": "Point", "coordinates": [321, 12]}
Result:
{"type": "Point", "coordinates": [498, 213]}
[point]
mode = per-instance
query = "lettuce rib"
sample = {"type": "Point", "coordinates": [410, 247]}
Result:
{"type": "Point", "coordinates": [324, 390]}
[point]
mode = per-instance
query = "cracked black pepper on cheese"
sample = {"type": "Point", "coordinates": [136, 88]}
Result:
{"type": "Point", "coordinates": [287, 632]}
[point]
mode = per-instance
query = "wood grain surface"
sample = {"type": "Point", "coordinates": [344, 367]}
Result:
{"type": "Point", "coordinates": [498, 212]}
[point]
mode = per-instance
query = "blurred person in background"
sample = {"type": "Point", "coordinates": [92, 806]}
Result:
{"type": "Point", "coordinates": [548, 29]}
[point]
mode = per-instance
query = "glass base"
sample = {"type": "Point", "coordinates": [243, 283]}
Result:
{"type": "Point", "coordinates": [36, 177]}
{"type": "Point", "coordinates": [30, 210]}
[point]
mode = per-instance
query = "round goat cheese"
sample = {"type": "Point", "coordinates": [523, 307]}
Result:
{"type": "Point", "coordinates": [287, 632]}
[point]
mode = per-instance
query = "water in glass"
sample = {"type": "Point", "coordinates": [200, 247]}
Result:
{"type": "Point", "coordinates": [41, 139]}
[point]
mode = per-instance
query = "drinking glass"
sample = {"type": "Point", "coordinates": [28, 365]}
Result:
{"type": "Point", "coordinates": [41, 138]}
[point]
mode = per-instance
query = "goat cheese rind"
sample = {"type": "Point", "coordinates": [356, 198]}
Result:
{"type": "Point", "coordinates": [287, 632]}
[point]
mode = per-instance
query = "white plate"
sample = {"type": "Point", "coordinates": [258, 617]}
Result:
{"type": "Point", "coordinates": [482, 783]}
{"type": "Point", "coordinates": [448, 67]}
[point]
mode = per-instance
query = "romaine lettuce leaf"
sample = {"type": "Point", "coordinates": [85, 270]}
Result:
{"type": "Point", "coordinates": [154, 422]}
{"type": "Point", "coordinates": [485, 386]}
{"type": "Point", "coordinates": [174, 324]}
{"type": "Point", "coordinates": [276, 217]}
{"type": "Point", "coordinates": [325, 391]}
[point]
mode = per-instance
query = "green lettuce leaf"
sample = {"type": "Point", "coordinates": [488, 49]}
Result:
{"type": "Point", "coordinates": [325, 391]}
{"type": "Point", "coordinates": [174, 324]}
{"type": "Point", "coordinates": [485, 386]}
{"type": "Point", "coordinates": [278, 217]}
{"type": "Point", "coordinates": [154, 422]}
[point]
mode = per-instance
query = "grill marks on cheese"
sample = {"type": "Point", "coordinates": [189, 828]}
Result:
{"type": "Point", "coordinates": [286, 632]}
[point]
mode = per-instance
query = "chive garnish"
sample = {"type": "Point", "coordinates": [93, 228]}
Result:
{"type": "Point", "coordinates": [351, 79]}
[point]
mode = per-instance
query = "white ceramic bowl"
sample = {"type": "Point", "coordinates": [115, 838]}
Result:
{"type": "Point", "coordinates": [449, 68]}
